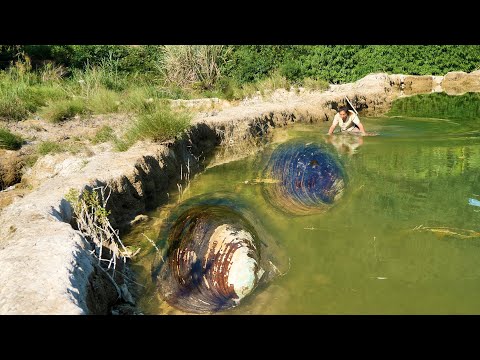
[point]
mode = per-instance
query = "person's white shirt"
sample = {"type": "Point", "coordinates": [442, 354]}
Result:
{"type": "Point", "coordinates": [349, 124]}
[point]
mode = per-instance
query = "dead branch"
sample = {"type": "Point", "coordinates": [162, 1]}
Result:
{"type": "Point", "coordinates": [92, 220]}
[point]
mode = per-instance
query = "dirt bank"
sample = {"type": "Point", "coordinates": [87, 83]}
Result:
{"type": "Point", "coordinates": [46, 265]}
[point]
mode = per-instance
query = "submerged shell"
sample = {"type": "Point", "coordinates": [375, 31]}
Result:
{"type": "Point", "coordinates": [304, 178]}
{"type": "Point", "coordinates": [212, 262]}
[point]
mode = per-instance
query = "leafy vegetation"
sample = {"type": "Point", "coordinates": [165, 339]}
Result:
{"type": "Point", "coordinates": [345, 63]}
{"type": "Point", "coordinates": [58, 82]}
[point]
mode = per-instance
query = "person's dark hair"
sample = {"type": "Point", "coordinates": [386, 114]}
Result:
{"type": "Point", "coordinates": [343, 108]}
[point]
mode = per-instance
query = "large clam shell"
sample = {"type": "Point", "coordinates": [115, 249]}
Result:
{"type": "Point", "coordinates": [212, 261]}
{"type": "Point", "coordinates": [303, 178]}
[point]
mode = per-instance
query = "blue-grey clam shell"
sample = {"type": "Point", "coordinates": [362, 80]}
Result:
{"type": "Point", "coordinates": [303, 178]}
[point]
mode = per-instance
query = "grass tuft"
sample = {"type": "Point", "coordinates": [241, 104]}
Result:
{"type": "Point", "coordinates": [49, 147]}
{"type": "Point", "coordinates": [104, 134]}
{"type": "Point", "coordinates": [9, 141]}
{"type": "Point", "coordinates": [63, 110]}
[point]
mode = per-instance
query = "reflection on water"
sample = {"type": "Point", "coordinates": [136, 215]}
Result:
{"type": "Point", "coordinates": [404, 238]}
{"type": "Point", "coordinates": [345, 143]}
{"type": "Point", "coordinates": [440, 106]}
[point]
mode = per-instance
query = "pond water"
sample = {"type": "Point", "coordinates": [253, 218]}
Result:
{"type": "Point", "coordinates": [404, 237]}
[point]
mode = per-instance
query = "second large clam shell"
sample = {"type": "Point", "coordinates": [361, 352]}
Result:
{"type": "Point", "coordinates": [303, 178]}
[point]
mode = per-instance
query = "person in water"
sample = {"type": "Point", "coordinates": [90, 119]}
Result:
{"type": "Point", "coordinates": [347, 120]}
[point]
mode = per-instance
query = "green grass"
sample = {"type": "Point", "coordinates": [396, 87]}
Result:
{"type": "Point", "coordinates": [104, 134]}
{"type": "Point", "coordinates": [57, 94]}
{"type": "Point", "coordinates": [30, 160]}
{"type": "Point", "coordinates": [21, 94]}
{"type": "Point", "coordinates": [229, 89]}
{"type": "Point", "coordinates": [159, 124]}
{"type": "Point", "coordinates": [273, 82]}
{"type": "Point", "coordinates": [63, 110]}
{"type": "Point", "coordinates": [36, 96]}
{"type": "Point", "coordinates": [315, 84]}
{"type": "Point", "coordinates": [139, 100]}
{"type": "Point", "coordinates": [104, 102]}
{"type": "Point", "coordinates": [123, 144]}
{"type": "Point", "coordinates": [49, 147]}
{"type": "Point", "coordinates": [12, 108]}
{"type": "Point", "coordinates": [172, 92]}
{"type": "Point", "coordinates": [9, 141]}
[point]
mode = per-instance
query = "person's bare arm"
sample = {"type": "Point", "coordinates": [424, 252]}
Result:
{"type": "Point", "coordinates": [330, 131]}
{"type": "Point", "coordinates": [362, 129]}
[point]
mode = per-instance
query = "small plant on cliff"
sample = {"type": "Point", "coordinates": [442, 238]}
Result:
{"type": "Point", "coordinates": [91, 216]}
{"type": "Point", "coordinates": [9, 141]}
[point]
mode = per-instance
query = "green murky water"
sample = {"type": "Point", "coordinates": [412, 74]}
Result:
{"type": "Point", "coordinates": [403, 239]}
